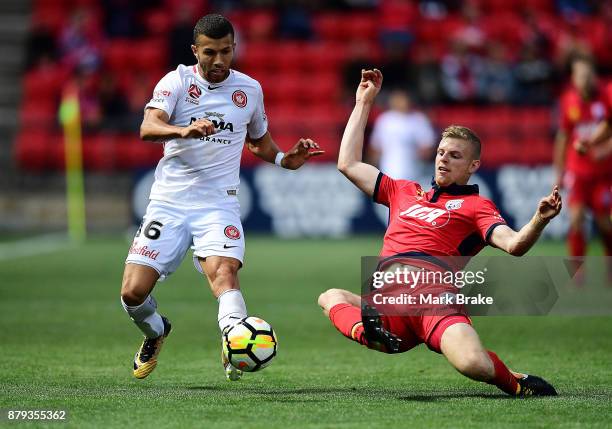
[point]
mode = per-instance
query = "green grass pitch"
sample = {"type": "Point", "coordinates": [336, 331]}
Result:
{"type": "Point", "coordinates": [65, 343]}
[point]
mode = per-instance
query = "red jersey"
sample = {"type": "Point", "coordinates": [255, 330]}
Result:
{"type": "Point", "coordinates": [579, 119]}
{"type": "Point", "coordinates": [445, 221]}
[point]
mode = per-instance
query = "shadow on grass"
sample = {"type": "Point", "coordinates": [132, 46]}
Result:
{"type": "Point", "coordinates": [313, 394]}
{"type": "Point", "coordinates": [285, 394]}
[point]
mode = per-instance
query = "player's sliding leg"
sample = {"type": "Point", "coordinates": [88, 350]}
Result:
{"type": "Point", "coordinates": [461, 345]}
{"type": "Point", "coordinates": [344, 310]}
{"type": "Point", "coordinates": [222, 274]}
{"type": "Point", "coordinates": [138, 282]}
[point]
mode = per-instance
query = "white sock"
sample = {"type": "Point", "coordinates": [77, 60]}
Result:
{"type": "Point", "coordinates": [231, 308]}
{"type": "Point", "coordinates": [146, 317]}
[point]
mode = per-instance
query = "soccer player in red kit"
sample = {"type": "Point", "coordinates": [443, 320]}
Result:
{"type": "Point", "coordinates": [582, 159]}
{"type": "Point", "coordinates": [449, 220]}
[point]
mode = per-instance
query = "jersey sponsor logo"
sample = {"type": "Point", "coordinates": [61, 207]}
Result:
{"type": "Point", "coordinates": [232, 232]}
{"type": "Point", "coordinates": [160, 93]}
{"type": "Point", "coordinates": [194, 93]}
{"type": "Point", "coordinates": [424, 217]}
{"type": "Point", "coordinates": [239, 98]}
{"type": "Point", "coordinates": [217, 120]}
{"type": "Point", "coordinates": [216, 140]}
{"type": "Point", "coordinates": [453, 204]}
{"type": "Point", "coordinates": [498, 217]}
{"type": "Point", "coordinates": [143, 251]}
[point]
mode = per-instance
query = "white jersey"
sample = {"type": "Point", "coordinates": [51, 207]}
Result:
{"type": "Point", "coordinates": [398, 136]}
{"type": "Point", "coordinates": [195, 171]}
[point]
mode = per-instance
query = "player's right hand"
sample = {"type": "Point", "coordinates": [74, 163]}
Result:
{"type": "Point", "coordinates": [369, 87]}
{"type": "Point", "coordinates": [550, 206]}
{"type": "Point", "coordinates": [197, 129]}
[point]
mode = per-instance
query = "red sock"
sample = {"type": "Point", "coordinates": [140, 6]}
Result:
{"type": "Point", "coordinates": [347, 319]}
{"type": "Point", "coordinates": [577, 245]}
{"type": "Point", "coordinates": [503, 379]}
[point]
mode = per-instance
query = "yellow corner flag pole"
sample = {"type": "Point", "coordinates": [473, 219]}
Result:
{"type": "Point", "coordinates": [70, 118]}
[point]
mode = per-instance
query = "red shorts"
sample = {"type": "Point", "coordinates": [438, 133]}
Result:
{"type": "Point", "coordinates": [590, 191]}
{"type": "Point", "coordinates": [414, 330]}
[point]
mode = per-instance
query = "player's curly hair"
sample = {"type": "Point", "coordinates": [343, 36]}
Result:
{"type": "Point", "coordinates": [214, 26]}
{"type": "Point", "coordinates": [463, 133]}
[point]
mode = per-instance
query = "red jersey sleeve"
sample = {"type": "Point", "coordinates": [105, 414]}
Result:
{"type": "Point", "coordinates": [385, 189]}
{"type": "Point", "coordinates": [487, 217]}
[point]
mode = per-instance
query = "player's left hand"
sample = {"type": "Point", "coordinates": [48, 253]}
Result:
{"type": "Point", "coordinates": [300, 153]}
{"type": "Point", "coordinates": [550, 206]}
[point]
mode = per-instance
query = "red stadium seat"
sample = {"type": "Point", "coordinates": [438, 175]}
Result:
{"type": "Point", "coordinates": [342, 27]}
{"type": "Point", "coordinates": [321, 87]}
{"type": "Point", "coordinates": [52, 16]}
{"type": "Point", "coordinates": [31, 150]}
{"type": "Point", "coordinates": [99, 152]}
{"type": "Point", "coordinates": [260, 25]}
{"type": "Point", "coordinates": [286, 89]}
{"type": "Point", "coordinates": [149, 54]}
{"type": "Point", "coordinates": [505, 27]}
{"type": "Point", "coordinates": [118, 54]}
{"type": "Point", "coordinates": [360, 27]}
{"type": "Point", "coordinates": [42, 114]}
{"type": "Point", "coordinates": [195, 7]}
{"type": "Point", "coordinates": [289, 57]}
{"type": "Point", "coordinates": [257, 57]}
{"type": "Point", "coordinates": [329, 56]}
{"type": "Point", "coordinates": [328, 26]}
{"type": "Point", "coordinates": [158, 22]}
{"type": "Point", "coordinates": [56, 153]}
{"type": "Point", "coordinates": [499, 151]}
{"type": "Point", "coordinates": [133, 153]}
{"type": "Point", "coordinates": [44, 83]}
{"type": "Point", "coordinates": [38, 150]}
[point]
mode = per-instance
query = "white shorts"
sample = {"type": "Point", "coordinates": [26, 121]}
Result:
{"type": "Point", "coordinates": [167, 231]}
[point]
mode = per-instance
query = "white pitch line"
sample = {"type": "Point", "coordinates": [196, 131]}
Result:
{"type": "Point", "coordinates": [47, 243]}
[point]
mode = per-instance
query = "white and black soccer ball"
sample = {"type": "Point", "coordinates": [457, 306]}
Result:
{"type": "Point", "coordinates": [250, 344]}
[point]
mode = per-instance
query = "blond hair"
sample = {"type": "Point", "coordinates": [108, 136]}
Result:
{"type": "Point", "coordinates": [463, 133]}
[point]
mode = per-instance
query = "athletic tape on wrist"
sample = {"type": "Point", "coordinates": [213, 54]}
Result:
{"type": "Point", "coordinates": [279, 158]}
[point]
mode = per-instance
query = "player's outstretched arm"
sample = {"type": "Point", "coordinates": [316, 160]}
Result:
{"type": "Point", "coordinates": [517, 243]}
{"type": "Point", "coordinates": [155, 127]}
{"type": "Point", "coordinates": [266, 149]}
{"type": "Point", "coordinates": [351, 148]}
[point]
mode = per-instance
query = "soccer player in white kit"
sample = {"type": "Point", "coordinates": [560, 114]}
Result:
{"type": "Point", "coordinates": [203, 114]}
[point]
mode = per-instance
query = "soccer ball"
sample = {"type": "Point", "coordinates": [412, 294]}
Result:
{"type": "Point", "coordinates": [250, 345]}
